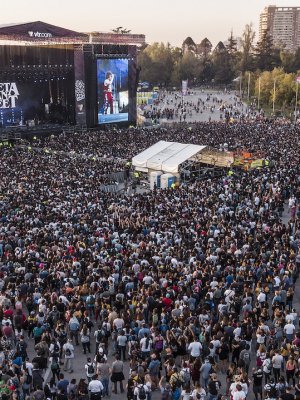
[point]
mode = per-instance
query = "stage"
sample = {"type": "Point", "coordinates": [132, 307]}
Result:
{"type": "Point", "coordinates": [112, 118]}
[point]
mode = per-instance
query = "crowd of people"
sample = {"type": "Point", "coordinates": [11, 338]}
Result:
{"type": "Point", "coordinates": [173, 106]}
{"type": "Point", "coordinates": [183, 293]}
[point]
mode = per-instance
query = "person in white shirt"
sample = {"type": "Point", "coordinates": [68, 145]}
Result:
{"type": "Point", "coordinates": [237, 331]}
{"type": "Point", "coordinates": [289, 330]}
{"type": "Point", "coordinates": [145, 345]}
{"type": "Point", "coordinates": [90, 369]}
{"type": "Point", "coordinates": [195, 348]}
{"type": "Point", "coordinates": [139, 389]}
{"type": "Point", "coordinates": [277, 361]}
{"type": "Point", "coordinates": [95, 388]}
{"type": "Point", "coordinates": [238, 394]}
{"type": "Point", "coordinates": [148, 280]}
{"type": "Point", "coordinates": [68, 350]}
{"type": "Point", "coordinates": [119, 323]}
{"type": "Point", "coordinates": [261, 298]}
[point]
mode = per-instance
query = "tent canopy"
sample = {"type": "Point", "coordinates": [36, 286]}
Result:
{"type": "Point", "coordinates": [165, 156]}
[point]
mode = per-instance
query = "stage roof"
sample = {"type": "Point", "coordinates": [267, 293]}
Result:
{"type": "Point", "coordinates": [165, 156]}
{"type": "Point", "coordinates": [38, 31]}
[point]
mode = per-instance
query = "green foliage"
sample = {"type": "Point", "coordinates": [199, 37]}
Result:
{"type": "Point", "coordinates": [247, 59]}
{"type": "Point", "coordinates": [284, 84]}
{"type": "Point", "coordinates": [162, 64]}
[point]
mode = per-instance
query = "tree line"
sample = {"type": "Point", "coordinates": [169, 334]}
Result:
{"type": "Point", "coordinates": [251, 67]}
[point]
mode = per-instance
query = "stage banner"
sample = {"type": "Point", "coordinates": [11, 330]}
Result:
{"type": "Point", "coordinates": [80, 91]}
{"type": "Point", "coordinates": [184, 87]}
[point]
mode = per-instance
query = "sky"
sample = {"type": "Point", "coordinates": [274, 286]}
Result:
{"type": "Point", "coordinates": [160, 20]}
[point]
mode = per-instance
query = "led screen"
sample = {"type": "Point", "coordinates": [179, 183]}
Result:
{"type": "Point", "coordinates": [112, 85]}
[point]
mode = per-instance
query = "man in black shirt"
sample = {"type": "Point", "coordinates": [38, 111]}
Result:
{"type": "Point", "coordinates": [213, 387]}
{"type": "Point", "coordinates": [257, 383]}
{"type": "Point", "coordinates": [287, 395]}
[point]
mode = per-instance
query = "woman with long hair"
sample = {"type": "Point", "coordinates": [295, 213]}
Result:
{"type": "Point", "coordinates": [85, 339]}
{"type": "Point", "coordinates": [230, 373]}
{"type": "Point", "coordinates": [291, 367]}
{"type": "Point", "coordinates": [195, 371]}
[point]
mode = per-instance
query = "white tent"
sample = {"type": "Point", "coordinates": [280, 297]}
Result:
{"type": "Point", "coordinates": [165, 156]}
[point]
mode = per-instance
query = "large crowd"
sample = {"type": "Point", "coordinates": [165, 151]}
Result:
{"type": "Point", "coordinates": [183, 293]}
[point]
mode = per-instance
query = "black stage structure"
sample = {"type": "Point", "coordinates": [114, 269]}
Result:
{"type": "Point", "coordinates": [53, 75]}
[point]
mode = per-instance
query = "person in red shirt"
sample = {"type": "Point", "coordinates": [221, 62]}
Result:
{"type": "Point", "coordinates": [7, 331]}
{"type": "Point", "coordinates": [167, 302]}
{"type": "Point", "coordinates": [8, 312]}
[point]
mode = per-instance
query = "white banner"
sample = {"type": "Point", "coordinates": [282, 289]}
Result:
{"type": "Point", "coordinates": [184, 87]}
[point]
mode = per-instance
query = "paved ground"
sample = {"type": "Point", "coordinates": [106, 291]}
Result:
{"type": "Point", "coordinates": [206, 115]}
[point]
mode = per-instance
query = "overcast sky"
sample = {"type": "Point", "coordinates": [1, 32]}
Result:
{"type": "Point", "coordinates": [160, 20]}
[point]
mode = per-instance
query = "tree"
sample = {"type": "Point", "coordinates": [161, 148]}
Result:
{"type": "Point", "coordinates": [118, 29]}
{"type": "Point", "coordinates": [263, 88]}
{"type": "Point", "coordinates": [287, 60]}
{"type": "Point", "coordinates": [121, 30]}
{"type": "Point", "coordinates": [187, 67]}
{"type": "Point", "coordinates": [296, 62]}
{"type": "Point", "coordinates": [232, 45]}
{"type": "Point", "coordinates": [222, 64]}
{"type": "Point", "coordinates": [247, 46]}
{"type": "Point", "coordinates": [265, 52]}
{"type": "Point", "coordinates": [204, 49]}
{"type": "Point", "coordinates": [189, 45]}
{"type": "Point", "coordinates": [284, 84]}
{"type": "Point", "coordinates": [157, 64]}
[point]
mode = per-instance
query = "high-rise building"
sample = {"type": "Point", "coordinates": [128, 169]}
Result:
{"type": "Point", "coordinates": [283, 24]}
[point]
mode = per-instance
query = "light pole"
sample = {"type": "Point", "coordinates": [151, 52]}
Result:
{"type": "Point", "coordinates": [241, 79]}
{"type": "Point", "coordinates": [297, 87]}
{"type": "Point", "coordinates": [274, 95]}
{"type": "Point", "coordinates": [258, 102]}
{"type": "Point", "coordinates": [249, 86]}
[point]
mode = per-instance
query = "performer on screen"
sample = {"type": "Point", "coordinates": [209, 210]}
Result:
{"type": "Point", "coordinates": [108, 93]}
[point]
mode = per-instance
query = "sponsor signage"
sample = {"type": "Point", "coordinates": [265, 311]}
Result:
{"type": "Point", "coordinates": [41, 35]}
{"type": "Point", "coordinates": [8, 94]}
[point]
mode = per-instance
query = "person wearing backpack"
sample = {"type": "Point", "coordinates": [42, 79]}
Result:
{"type": "Point", "coordinates": [22, 348]}
{"type": "Point", "coordinates": [68, 350]}
{"type": "Point", "coordinates": [74, 329]}
{"type": "Point", "coordinates": [145, 345]}
{"type": "Point", "coordinates": [176, 379]}
{"type": "Point", "coordinates": [89, 369]}
{"type": "Point", "coordinates": [271, 389]}
{"type": "Point", "coordinates": [141, 391]}
{"type": "Point", "coordinates": [55, 367]}
{"type": "Point", "coordinates": [54, 348]}
{"type": "Point", "coordinates": [185, 374]}
{"type": "Point", "coordinates": [90, 302]}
